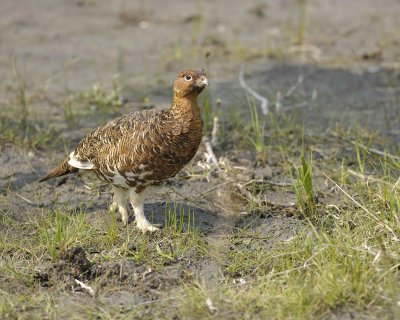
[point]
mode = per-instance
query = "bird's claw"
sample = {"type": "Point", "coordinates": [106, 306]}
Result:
{"type": "Point", "coordinates": [113, 207]}
{"type": "Point", "coordinates": [146, 226]}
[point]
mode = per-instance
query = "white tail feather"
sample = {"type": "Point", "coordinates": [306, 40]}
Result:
{"type": "Point", "coordinates": [74, 162]}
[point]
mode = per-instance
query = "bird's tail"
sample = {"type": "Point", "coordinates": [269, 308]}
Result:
{"type": "Point", "coordinates": [63, 169]}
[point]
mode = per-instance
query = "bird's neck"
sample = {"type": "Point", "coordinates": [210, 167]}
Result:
{"type": "Point", "coordinates": [185, 107]}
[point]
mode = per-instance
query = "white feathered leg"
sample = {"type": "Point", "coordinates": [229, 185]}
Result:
{"type": "Point", "coordinates": [137, 201]}
{"type": "Point", "coordinates": [119, 202]}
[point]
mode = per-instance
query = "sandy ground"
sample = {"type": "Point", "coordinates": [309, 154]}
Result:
{"type": "Point", "coordinates": [78, 43]}
{"type": "Point", "coordinates": [71, 45]}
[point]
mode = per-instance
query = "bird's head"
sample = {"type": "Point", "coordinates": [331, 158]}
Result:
{"type": "Point", "coordinates": [189, 83]}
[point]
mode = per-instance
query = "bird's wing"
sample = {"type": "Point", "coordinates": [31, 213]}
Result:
{"type": "Point", "coordinates": [112, 142]}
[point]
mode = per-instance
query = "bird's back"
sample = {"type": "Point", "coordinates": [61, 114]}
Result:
{"type": "Point", "coordinates": [141, 148]}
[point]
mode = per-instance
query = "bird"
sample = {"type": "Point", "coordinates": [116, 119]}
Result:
{"type": "Point", "coordinates": [138, 151]}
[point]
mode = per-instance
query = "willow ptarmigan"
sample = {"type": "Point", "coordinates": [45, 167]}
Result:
{"type": "Point", "coordinates": [138, 151]}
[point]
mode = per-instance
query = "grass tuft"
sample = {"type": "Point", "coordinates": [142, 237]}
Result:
{"type": "Point", "coordinates": [304, 189]}
{"type": "Point", "coordinates": [256, 137]}
{"type": "Point", "coordinates": [62, 231]}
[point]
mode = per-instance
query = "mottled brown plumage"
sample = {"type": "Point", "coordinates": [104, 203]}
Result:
{"type": "Point", "coordinates": [142, 149]}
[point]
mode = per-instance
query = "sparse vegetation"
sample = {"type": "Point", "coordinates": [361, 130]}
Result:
{"type": "Point", "coordinates": [304, 188]}
{"type": "Point", "coordinates": [345, 256]}
{"type": "Point", "coordinates": [257, 136]}
{"type": "Point", "coordinates": [103, 102]}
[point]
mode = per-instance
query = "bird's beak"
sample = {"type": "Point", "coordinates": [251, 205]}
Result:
{"type": "Point", "coordinates": [202, 82]}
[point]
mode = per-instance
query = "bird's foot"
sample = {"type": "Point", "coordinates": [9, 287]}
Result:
{"type": "Point", "coordinates": [124, 220]}
{"type": "Point", "coordinates": [113, 207]}
{"type": "Point", "coordinates": [146, 226]}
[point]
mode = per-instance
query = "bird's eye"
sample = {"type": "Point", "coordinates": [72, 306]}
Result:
{"type": "Point", "coordinates": [188, 78]}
